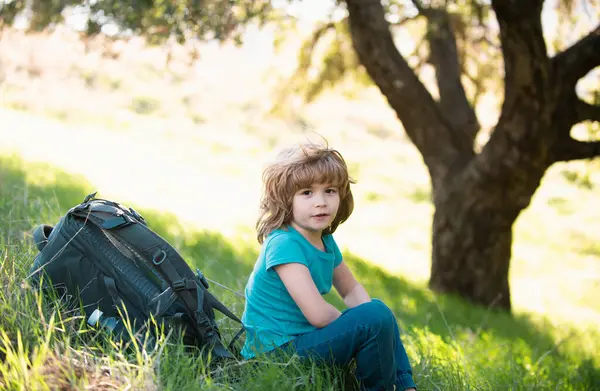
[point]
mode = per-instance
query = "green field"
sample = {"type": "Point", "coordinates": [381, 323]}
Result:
{"type": "Point", "coordinates": [186, 146]}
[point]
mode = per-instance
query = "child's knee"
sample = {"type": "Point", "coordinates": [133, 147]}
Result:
{"type": "Point", "coordinates": [376, 313]}
{"type": "Point", "coordinates": [381, 306]}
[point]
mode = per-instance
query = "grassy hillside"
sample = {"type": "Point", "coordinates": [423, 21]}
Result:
{"type": "Point", "coordinates": [453, 346]}
{"type": "Point", "coordinates": [185, 144]}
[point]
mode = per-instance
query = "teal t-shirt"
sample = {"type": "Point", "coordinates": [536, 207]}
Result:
{"type": "Point", "coordinates": [271, 317]}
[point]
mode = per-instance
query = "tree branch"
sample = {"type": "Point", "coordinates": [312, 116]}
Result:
{"type": "Point", "coordinates": [520, 140]}
{"type": "Point", "coordinates": [414, 105]}
{"type": "Point", "coordinates": [587, 112]}
{"type": "Point", "coordinates": [571, 149]}
{"type": "Point", "coordinates": [576, 61]}
{"type": "Point", "coordinates": [523, 121]}
{"type": "Point", "coordinates": [445, 59]}
{"type": "Point", "coordinates": [524, 51]}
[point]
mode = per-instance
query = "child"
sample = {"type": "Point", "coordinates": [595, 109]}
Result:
{"type": "Point", "coordinates": [306, 197]}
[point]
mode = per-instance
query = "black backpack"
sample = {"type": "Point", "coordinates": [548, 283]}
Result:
{"type": "Point", "coordinates": [103, 254]}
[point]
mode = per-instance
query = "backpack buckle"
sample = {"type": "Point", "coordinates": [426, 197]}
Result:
{"type": "Point", "coordinates": [136, 215]}
{"type": "Point", "coordinates": [201, 278]}
{"type": "Point", "coordinates": [179, 285]}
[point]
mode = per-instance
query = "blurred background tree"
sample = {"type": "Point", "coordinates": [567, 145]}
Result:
{"type": "Point", "coordinates": [481, 179]}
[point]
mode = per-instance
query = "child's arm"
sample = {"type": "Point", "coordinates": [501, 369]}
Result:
{"type": "Point", "coordinates": [300, 285]}
{"type": "Point", "coordinates": [351, 290]}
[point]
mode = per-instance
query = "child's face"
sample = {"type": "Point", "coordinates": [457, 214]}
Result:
{"type": "Point", "coordinates": [314, 208]}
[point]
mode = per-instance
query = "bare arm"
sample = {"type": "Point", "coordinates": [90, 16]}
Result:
{"type": "Point", "coordinates": [351, 290]}
{"type": "Point", "coordinates": [300, 285]}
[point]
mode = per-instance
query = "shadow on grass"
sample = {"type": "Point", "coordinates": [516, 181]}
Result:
{"type": "Point", "coordinates": [416, 306]}
{"type": "Point", "coordinates": [25, 204]}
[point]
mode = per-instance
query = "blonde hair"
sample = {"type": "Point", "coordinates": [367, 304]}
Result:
{"type": "Point", "coordinates": [296, 168]}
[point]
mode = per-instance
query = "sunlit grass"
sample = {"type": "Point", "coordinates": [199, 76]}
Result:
{"type": "Point", "coordinates": [453, 346]}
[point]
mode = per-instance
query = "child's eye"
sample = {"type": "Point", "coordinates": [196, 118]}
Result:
{"type": "Point", "coordinates": [331, 191]}
{"type": "Point", "coordinates": [306, 192]}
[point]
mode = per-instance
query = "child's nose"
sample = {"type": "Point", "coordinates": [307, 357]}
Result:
{"type": "Point", "coordinates": [319, 200]}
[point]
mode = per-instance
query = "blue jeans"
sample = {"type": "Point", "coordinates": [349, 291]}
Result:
{"type": "Point", "coordinates": [368, 333]}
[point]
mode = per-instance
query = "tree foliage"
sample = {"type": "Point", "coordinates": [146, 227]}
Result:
{"type": "Point", "coordinates": [476, 43]}
{"type": "Point", "coordinates": [158, 20]}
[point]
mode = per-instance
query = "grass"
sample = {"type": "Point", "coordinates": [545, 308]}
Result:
{"type": "Point", "coordinates": [140, 132]}
{"type": "Point", "coordinates": [452, 345]}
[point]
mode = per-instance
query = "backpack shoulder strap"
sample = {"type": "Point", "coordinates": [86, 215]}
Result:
{"type": "Point", "coordinates": [184, 287]}
{"type": "Point", "coordinates": [216, 304]}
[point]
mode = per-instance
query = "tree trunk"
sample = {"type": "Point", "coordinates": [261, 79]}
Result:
{"type": "Point", "coordinates": [478, 197]}
{"type": "Point", "coordinates": [471, 248]}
